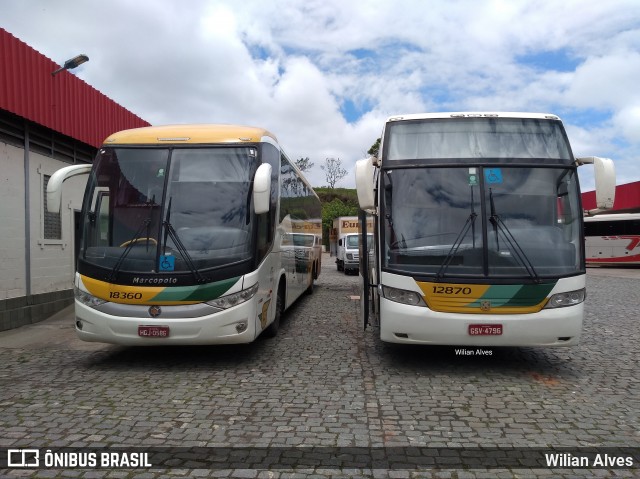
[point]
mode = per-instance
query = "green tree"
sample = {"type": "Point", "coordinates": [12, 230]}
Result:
{"type": "Point", "coordinates": [375, 149]}
{"type": "Point", "coordinates": [333, 210]}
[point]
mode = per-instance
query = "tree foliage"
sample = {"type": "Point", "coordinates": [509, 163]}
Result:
{"type": "Point", "coordinates": [304, 164]}
{"type": "Point", "coordinates": [332, 210]}
{"type": "Point", "coordinates": [333, 171]}
{"type": "Point", "coordinates": [336, 202]}
{"type": "Point", "coordinates": [375, 149]}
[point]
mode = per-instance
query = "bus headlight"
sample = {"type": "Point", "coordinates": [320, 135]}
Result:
{"type": "Point", "coordinates": [570, 298]}
{"type": "Point", "coordinates": [86, 298]}
{"type": "Point", "coordinates": [231, 300]}
{"type": "Point", "coordinates": [402, 296]}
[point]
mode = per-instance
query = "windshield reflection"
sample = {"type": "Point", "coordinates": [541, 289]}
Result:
{"type": "Point", "coordinates": [477, 138]}
{"type": "Point", "coordinates": [134, 194]}
{"type": "Point", "coordinates": [475, 221]}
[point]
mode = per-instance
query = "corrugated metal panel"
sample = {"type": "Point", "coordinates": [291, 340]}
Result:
{"type": "Point", "coordinates": [62, 102]}
{"type": "Point", "coordinates": [627, 197]}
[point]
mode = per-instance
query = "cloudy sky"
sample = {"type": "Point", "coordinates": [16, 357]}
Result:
{"type": "Point", "coordinates": [323, 75]}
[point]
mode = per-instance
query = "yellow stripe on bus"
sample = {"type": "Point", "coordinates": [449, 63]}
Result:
{"type": "Point", "coordinates": [481, 298]}
{"type": "Point", "coordinates": [117, 293]}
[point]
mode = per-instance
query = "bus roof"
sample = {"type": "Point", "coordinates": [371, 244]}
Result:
{"type": "Point", "coordinates": [472, 114]}
{"type": "Point", "coordinates": [189, 134]}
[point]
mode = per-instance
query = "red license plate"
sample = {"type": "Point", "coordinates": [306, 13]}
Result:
{"type": "Point", "coordinates": [153, 331]}
{"type": "Point", "coordinates": [485, 329]}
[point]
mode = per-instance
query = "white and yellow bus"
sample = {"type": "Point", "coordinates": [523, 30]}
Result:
{"type": "Point", "coordinates": [479, 230]}
{"type": "Point", "coordinates": [182, 236]}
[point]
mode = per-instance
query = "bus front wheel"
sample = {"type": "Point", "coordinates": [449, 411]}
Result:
{"type": "Point", "coordinates": [272, 329]}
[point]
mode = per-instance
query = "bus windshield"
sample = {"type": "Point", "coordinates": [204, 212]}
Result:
{"type": "Point", "coordinates": [476, 222]}
{"type": "Point", "coordinates": [151, 210]}
{"type": "Point", "coordinates": [477, 138]}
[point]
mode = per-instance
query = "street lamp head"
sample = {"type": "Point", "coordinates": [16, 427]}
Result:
{"type": "Point", "coordinates": [72, 63]}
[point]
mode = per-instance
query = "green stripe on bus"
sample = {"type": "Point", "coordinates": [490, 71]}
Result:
{"type": "Point", "coordinates": [519, 295]}
{"type": "Point", "coordinates": [531, 294]}
{"type": "Point", "coordinates": [201, 293]}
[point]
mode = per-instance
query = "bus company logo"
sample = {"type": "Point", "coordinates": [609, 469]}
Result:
{"type": "Point", "coordinates": [154, 311]}
{"type": "Point", "coordinates": [485, 305]}
{"type": "Point", "coordinates": [633, 240]}
{"type": "Point", "coordinates": [23, 458]}
{"type": "Point", "coordinates": [141, 280]}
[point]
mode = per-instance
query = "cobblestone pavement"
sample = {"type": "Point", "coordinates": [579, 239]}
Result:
{"type": "Point", "coordinates": [325, 382]}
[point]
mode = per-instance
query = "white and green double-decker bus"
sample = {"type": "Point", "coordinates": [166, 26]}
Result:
{"type": "Point", "coordinates": [184, 234]}
{"type": "Point", "coordinates": [478, 236]}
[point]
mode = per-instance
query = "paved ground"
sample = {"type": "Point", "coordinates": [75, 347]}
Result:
{"type": "Point", "coordinates": [324, 382]}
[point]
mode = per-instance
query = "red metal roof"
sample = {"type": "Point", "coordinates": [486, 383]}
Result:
{"type": "Point", "coordinates": [627, 198]}
{"type": "Point", "coordinates": [62, 102]}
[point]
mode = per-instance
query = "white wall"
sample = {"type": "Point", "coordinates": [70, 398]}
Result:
{"type": "Point", "coordinates": [52, 267]}
{"type": "Point", "coordinates": [12, 222]}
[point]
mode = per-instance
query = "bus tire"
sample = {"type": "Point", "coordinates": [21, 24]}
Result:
{"type": "Point", "coordinates": [272, 329]}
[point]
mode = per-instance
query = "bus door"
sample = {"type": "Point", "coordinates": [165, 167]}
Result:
{"type": "Point", "coordinates": [365, 245]}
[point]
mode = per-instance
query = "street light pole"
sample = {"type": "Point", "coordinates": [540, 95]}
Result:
{"type": "Point", "coordinates": [72, 63]}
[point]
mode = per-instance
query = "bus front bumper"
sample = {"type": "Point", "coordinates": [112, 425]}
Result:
{"type": "Point", "coordinates": [218, 328]}
{"type": "Point", "coordinates": [401, 323]}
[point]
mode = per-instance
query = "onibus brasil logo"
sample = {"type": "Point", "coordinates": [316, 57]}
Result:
{"type": "Point", "coordinates": [32, 458]}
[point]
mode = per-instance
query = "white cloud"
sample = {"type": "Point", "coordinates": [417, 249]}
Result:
{"type": "Point", "coordinates": [290, 65]}
{"type": "Point", "coordinates": [606, 82]}
{"type": "Point", "coordinates": [627, 120]}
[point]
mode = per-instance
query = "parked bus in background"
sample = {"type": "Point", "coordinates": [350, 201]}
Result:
{"type": "Point", "coordinates": [612, 239]}
{"type": "Point", "coordinates": [479, 230]}
{"type": "Point", "coordinates": [182, 232]}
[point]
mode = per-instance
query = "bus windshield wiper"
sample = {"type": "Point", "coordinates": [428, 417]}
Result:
{"type": "Point", "coordinates": [169, 230]}
{"type": "Point", "coordinates": [389, 198]}
{"type": "Point", "coordinates": [499, 225]}
{"type": "Point", "coordinates": [146, 224]}
{"type": "Point", "coordinates": [470, 223]}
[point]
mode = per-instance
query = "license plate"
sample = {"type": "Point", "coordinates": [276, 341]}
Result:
{"type": "Point", "coordinates": [485, 329]}
{"type": "Point", "coordinates": [153, 331]}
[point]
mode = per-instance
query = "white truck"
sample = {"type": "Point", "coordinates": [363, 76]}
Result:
{"type": "Point", "coordinates": [347, 242]}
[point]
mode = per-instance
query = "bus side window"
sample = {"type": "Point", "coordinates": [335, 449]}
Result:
{"type": "Point", "coordinates": [102, 219]}
{"type": "Point", "coordinates": [98, 218]}
{"type": "Point", "coordinates": [266, 222]}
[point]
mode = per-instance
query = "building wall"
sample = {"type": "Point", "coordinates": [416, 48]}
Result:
{"type": "Point", "coordinates": [52, 260]}
{"type": "Point", "coordinates": [37, 281]}
{"type": "Point", "coordinates": [627, 199]}
{"type": "Point", "coordinates": [12, 232]}
{"type": "Point", "coordinates": [46, 122]}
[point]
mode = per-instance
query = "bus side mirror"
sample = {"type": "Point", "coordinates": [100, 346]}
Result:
{"type": "Point", "coordinates": [364, 184]}
{"type": "Point", "coordinates": [54, 186]}
{"type": "Point", "coordinates": [605, 179]}
{"type": "Point", "coordinates": [262, 189]}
